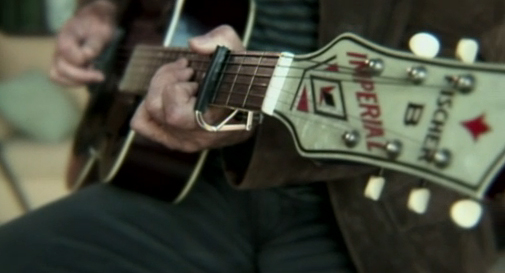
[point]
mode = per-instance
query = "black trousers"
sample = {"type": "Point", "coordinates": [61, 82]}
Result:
{"type": "Point", "coordinates": [216, 229]}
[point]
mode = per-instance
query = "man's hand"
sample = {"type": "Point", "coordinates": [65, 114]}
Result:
{"type": "Point", "coordinates": [167, 113]}
{"type": "Point", "coordinates": [81, 40]}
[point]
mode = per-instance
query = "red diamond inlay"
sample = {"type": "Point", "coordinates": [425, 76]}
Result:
{"type": "Point", "coordinates": [303, 104]}
{"type": "Point", "coordinates": [477, 126]}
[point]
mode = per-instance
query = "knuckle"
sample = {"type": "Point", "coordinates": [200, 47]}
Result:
{"type": "Point", "coordinates": [174, 117]}
{"type": "Point", "coordinates": [152, 106]}
{"type": "Point", "coordinates": [105, 31]}
{"type": "Point", "coordinates": [225, 30]}
{"type": "Point", "coordinates": [229, 33]}
{"type": "Point", "coordinates": [164, 75]}
{"type": "Point", "coordinates": [64, 48]}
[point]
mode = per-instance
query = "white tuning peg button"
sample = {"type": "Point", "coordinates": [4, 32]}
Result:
{"type": "Point", "coordinates": [424, 44]}
{"type": "Point", "coordinates": [419, 200]}
{"type": "Point", "coordinates": [466, 213]}
{"type": "Point", "coordinates": [374, 187]}
{"type": "Point", "coordinates": [467, 50]}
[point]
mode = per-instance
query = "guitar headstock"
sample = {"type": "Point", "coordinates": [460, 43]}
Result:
{"type": "Point", "coordinates": [438, 119]}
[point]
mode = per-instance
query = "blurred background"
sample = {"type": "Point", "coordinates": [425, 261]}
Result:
{"type": "Point", "coordinates": [37, 117]}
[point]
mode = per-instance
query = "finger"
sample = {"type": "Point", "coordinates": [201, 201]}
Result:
{"type": "Point", "coordinates": [92, 47]}
{"type": "Point", "coordinates": [163, 81]}
{"type": "Point", "coordinates": [223, 35]}
{"type": "Point", "coordinates": [143, 124]}
{"type": "Point", "coordinates": [68, 47]}
{"type": "Point", "coordinates": [77, 74]}
{"type": "Point", "coordinates": [56, 77]}
{"type": "Point", "coordinates": [169, 74]}
{"type": "Point", "coordinates": [174, 72]}
{"type": "Point", "coordinates": [215, 115]}
{"type": "Point", "coordinates": [95, 40]}
{"type": "Point", "coordinates": [178, 106]}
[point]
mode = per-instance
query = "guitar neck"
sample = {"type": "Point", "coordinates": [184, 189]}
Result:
{"type": "Point", "coordinates": [243, 84]}
{"type": "Point", "coordinates": [440, 120]}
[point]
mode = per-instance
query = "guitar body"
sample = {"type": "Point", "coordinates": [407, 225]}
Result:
{"type": "Point", "coordinates": [105, 149]}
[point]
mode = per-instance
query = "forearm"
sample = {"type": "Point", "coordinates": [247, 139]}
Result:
{"type": "Point", "coordinates": [112, 8]}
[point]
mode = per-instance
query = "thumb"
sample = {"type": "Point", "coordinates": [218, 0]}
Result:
{"type": "Point", "coordinates": [221, 36]}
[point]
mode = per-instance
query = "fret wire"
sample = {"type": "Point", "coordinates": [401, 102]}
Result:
{"type": "Point", "coordinates": [199, 78]}
{"type": "Point", "coordinates": [139, 61]}
{"type": "Point", "coordinates": [152, 53]}
{"type": "Point", "coordinates": [244, 53]}
{"type": "Point", "coordinates": [139, 78]}
{"type": "Point", "coordinates": [252, 80]}
{"type": "Point", "coordinates": [158, 64]}
{"type": "Point", "coordinates": [238, 103]}
{"type": "Point", "coordinates": [200, 69]}
{"type": "Point", "coordinates": [242, 74]}
{"type": "Point", "coordinates": [234, 80]}
{"type": "Point", "coordinates": [222, 92]}
{"type": "Point", "coordinates": [242, 93]}
{"type": "Point", "coordinates": [243, 83]}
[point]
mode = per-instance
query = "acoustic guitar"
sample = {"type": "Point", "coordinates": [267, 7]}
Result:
{"type": "Point", "coordinates": [105, 149]}
{"type": "Point", "coordinates": [435, 118]}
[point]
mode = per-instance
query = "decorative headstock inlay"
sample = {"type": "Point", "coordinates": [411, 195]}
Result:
{"type": "Point", "coordinates": [435, 118]}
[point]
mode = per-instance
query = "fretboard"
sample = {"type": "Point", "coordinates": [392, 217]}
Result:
{"type": "Point", "coordinates": [243, 84]}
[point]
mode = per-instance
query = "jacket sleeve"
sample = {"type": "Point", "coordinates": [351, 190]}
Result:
{"type": "Point", "coordinates": [271, 159]}
{"type": "Point", "coordinates": [121, 5]}
{"type": "Point", "coordinates": [492, 49]}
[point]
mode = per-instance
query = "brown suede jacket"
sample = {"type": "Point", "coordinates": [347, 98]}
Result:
{"type": "Point", "coordinates": [385, 236]}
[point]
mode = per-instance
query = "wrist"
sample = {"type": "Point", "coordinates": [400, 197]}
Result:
{"type": "Point", "coordinates": [106, 10]}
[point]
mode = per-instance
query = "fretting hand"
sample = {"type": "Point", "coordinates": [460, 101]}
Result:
{"type": "Point", "coordinates": [167, 113]}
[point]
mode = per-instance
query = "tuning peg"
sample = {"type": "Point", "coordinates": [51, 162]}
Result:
{"type": "Point", "coordinates": [466, 50]}
{"type": "Point", "coordinates": [424, 44]}
{"type": "Point", "coordinates": [418, 200]}
{"type": "Point", "coordinates": [466, 213]}
{"type": "Point", "coordinates": [374, 187]}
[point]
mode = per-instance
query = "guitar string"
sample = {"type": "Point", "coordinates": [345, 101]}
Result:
{"type": "Point", "coordinates": [139, 72]}
{"type": "Point", "coordinates": [149, 63]}
{"type": "Point", "coordinates": [290, 92]}
{"type": "Point", "coordinates": [201, 59]}
{"type": "Point", "coordinates": [302, 116]}
{"type": "Point", "coordinates": [392, 80]}
{"type": "Point", "coordinates": [246, 53]}
{"type": "Point", "coordinates": [325, 124]}
{"type": "Point", "coordinates": [290, 105]}
{"type": "Point", "coordinates": [344, 128]}
{"type": "Point", "coordinates": [245, 98]}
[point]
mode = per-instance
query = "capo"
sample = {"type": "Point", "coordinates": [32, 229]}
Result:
{"type": "Point", "coordinates": [207, 91]}
{"type": "Point", "coordinates": [210, 83]}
